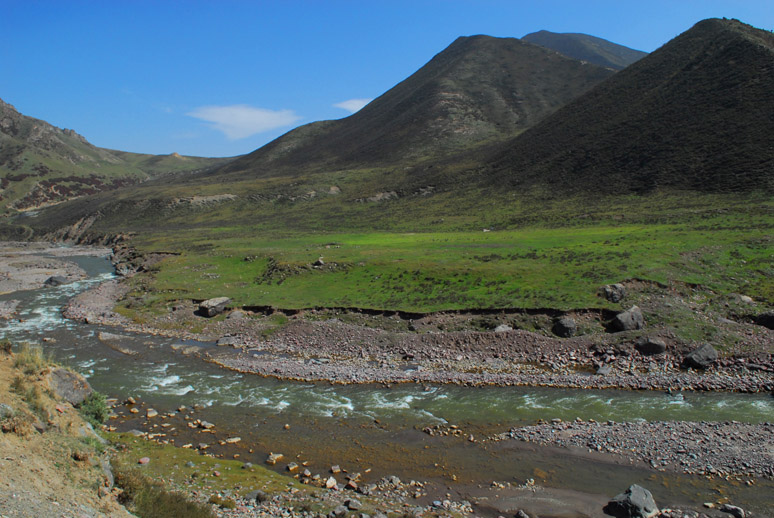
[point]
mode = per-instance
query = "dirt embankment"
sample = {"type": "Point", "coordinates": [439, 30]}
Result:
{"type": "Point", "coordinates": [50, 459]}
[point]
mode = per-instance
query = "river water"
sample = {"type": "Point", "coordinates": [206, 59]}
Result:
{"type": "Point", "coordinates": [373, 426]}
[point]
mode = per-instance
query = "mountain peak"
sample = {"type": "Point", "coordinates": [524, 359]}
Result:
{"type": "Point", "coordinates": [694, 114]}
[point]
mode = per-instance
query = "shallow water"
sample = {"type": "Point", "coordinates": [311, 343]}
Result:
{"type": "Point", "coordinates": [335, 423]}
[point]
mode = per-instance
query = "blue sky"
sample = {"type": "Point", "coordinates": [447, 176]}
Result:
{"type": "Point", "coordinates": [222, 78]}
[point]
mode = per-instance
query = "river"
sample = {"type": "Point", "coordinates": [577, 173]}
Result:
{"type": "Point", "coordinates": [378, 427]}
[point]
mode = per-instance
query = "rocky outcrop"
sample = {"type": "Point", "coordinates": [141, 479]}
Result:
{"type": "Point", "coordinates": [68, 386]}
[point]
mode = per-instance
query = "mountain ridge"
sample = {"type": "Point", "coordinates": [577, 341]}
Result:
{"type": "Point", "coordinates": [585, 47]}
{"type": "Point", "coordinates": [694, 114]}
{"type": "Point", "coordinates": [41, 164]}
{"type": "Point", "coordinates": [479, 88]}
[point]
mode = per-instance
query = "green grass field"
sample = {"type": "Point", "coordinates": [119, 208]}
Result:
{"type": "Point", "coordinates": [559, 267]}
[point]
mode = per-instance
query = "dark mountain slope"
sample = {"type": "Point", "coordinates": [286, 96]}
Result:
{"type": "Point", "coordinates": [696, 114]}
{"type": "Point", "coordinates": [587, 48]}
{"type": "Point", "coordinates": [478, 89]}
{"type": "Point", "coordinates": [41, 164]}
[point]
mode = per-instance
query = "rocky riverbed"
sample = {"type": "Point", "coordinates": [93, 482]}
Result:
{"type": "Point", "coordinates": [740, 451]}
{"type": "Point", "coordinates": [332, 350]}
{"type": "Point", "coordinates": [28, 266]}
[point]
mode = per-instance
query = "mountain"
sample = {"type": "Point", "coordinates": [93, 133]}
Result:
{"type": "Point", "coordinates": [41, 164]}
{"type": "Point", "coordinates": [695, 114]}
{"type": "Point", "coordinates": [587, 48]}
{"type": "Point", "coordinates": [479, 89]}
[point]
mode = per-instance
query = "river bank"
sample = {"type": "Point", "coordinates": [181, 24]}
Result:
{"type": "Point", "coordinates": [304, 348]}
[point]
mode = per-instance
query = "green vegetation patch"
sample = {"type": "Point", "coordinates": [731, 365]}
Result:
{"type": "Point", "coordinates": [530, 267]}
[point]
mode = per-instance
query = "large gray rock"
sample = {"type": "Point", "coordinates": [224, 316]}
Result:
{"type": "Point", "coordinates": [629, 320]}
{"type": "Point", "coordinates": [635, 502]}
{"type": "Point", "coordinates": [56, 280]}
{"type": "Point", "coordinates": [701, 358]}
{"type": "Point", "coordinates": [765, 319]}
{"type": "Point", "coordinates": [614, 292]}
{"type": "Point", "coordinates": [650, 346]}
{"type": "Point", "coordinates": [213, 307]}
{"type": "Point", "coordinates": [565, 327]}
{"type": "Point", "coordinates": [68, 386]}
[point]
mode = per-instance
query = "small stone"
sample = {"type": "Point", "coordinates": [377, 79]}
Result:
{"type": "Point", "coordinates": [292, 467]}
{"type": "Point", "coordinates": [151, 413]}
{"type": "Point", "coordinates": [330, 483]}
{"type": "Point", "coordinates": [190, 464]}
{"type": "Point", "coordinates": [353, 504]}
{"type": "Point", "coordinates": [233, 440]}
{"type": "Point", "coordinates": [206, 425]}
{"type": "Point", "coordinates": [335, 469]}
{"type": "Point", "coordinates": [272, 459]}
{"type": "Point", "coordinates": [143, 461]}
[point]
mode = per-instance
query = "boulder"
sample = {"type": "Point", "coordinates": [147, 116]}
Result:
{"type": "Point", "coordinates": [614, 292]}
{"type": "Point", "coordinates": [330, 483]}
{"type": "Point", "coordinates": [629, 320]}
{"type": "Point", "coordinates": [68, 386]}
{"type": "Point", "coordinates": [765, 319]}
{"type": "Point", "coordinates": [701, 358]}
{"type": "Point", "coordinates": [503, 328]}
{"type": "Point", "coordinates": [55, 280]}
{"type": "Point", "coordinates": [736, 512]}
{"type": "Point", "coordinates": [213, 307]}
{"type": "Point", "coordinates": [635, 502]}
{"type": "Point", "coordinates": [649, 346]}
{"type": "Point", "coordinates": [565, 327]}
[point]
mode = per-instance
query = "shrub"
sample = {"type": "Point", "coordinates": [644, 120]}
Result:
{"type": "Point", "coordinates": [149, 499]}
{"type": "Point", "coordinates": [31, 394]}
{"type": "Point", "coordinates": [94, 409]}
{"type": "Point", "coordinates": [5, 346]}
{"type": "Point", "coordinates": [30, 359]}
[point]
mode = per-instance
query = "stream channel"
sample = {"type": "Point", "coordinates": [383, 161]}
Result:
{"type": "Point", "coordinates": [362, 427]}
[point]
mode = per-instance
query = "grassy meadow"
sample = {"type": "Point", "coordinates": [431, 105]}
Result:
{"type": "Point", "coordinates": [557, 264]}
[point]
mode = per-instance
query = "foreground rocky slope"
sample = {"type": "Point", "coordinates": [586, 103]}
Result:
{"type": "Point", "coordinates": [50, 458]}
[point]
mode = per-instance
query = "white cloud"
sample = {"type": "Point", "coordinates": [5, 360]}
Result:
{"type": "Point", "coordinates": [352, 105]}
{"type": "Point", "coordinates": [241, 121]}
